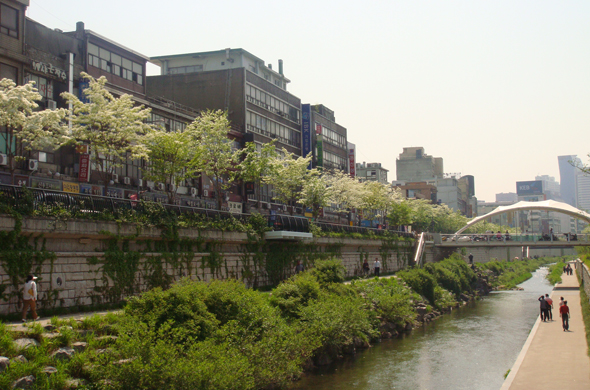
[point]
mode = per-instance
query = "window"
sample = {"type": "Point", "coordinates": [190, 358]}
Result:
{"type": "Point", "coordinates": [273, 104]}
{"type": "Point", "coordinates": [8, 72]}
{"type": "Point", "coordinates": [8, 21]}
{"type": "Point", "coordinates": [44, 86]}
{"type": "Point", "coordinates": [115, 64]}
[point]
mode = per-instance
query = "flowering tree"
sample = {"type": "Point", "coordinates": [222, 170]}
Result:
{"type": "Point", "coordinates": [256, 165]}
{"type": "Point", "coordinates": [113, 128]}
{"type": "Point", "coordinates": [25, 128]}
{"type": "Point", "coordinates": [213, 153]}
{"type": "Point", "coordinates": [375, 199]}
{"type": "Point", "coordinates": [316, 192]}
{"type": "Point", "coordinates": [288, 175]}
{"type": "Point", "coordinates": [170, 158]}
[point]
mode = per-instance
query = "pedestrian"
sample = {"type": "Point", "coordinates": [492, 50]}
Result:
{"type": "Point", "coordinates": [551, 233]}
{"type": "Point", "coordinates": [564, 312]}
{"type": "Point", "coordinates": [550, 306]}
{"type": "Point", "coordinates": [543, 306]}
{"type": "Point", "coordinates": [30, 298]}
{"type": "Point", "coordinates": [366, 268]}
{"type": "Point", "coordinates": [299, 267]}
{"type": "Point", "coordinates": [377, 266]}
{"type": "Point", "coordinates": [561, 302]}
{"type": "Point", "coordinates": [470, 258]}
{"type": "Point", "coordinates": [565, 269]}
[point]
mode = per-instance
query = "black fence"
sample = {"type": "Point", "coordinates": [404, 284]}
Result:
{"type": "Point", "coordinates": [22, 199]}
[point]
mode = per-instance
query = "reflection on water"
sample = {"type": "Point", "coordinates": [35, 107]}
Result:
{"type": "Point", "coordinates": [472, 348]}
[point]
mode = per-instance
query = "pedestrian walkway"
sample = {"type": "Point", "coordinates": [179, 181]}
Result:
{"type": "Point", "coordinates": [23, 327]}
{"type": "Point", "coordinates": [551, 358]}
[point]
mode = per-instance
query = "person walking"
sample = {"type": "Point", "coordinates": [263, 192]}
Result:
{"type": "Point", "coordinates": [299, 267]}
{"type": "Point", "coordinates": [564, 312]}
{"type": "Point", "coordinates": [544, 314]}
{"type": "Point", "coordinates": [470, 258]}
{"type": "Point", "coordinates": [549, 306]}
{"type": "Point", "coordinates": [377, 266]}
{"type": "Point", "coordinates": [366, 268]}
{"type": "Point", "coordinates": [30, 298]}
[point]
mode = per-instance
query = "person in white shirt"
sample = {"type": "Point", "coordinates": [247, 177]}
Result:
{"type": "Point", "coordinates": [30, 298]}
{"type": "Point", "coordinates": [377, 266]}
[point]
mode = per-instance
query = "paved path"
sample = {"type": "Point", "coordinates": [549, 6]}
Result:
{"type": "Point", "coordinates": [22, 327]}
{"type": "Point", "coordinates": [551, 358]}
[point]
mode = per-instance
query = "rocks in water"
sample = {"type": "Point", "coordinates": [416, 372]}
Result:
{"type": "Point", "coordinates": [50, 370]}
{"type": "Point", "coordinates": [25, 382]}
{"type": "Point", "coordinates": [22, 344]}
{"type": "Point", "coordinates": [4, 363]}
{"type": "Point", "coordinates": [64, 353]}
{"type": "Point", "coordinates": [359, 343]}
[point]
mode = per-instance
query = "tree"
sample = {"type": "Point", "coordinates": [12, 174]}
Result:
{"type": "Point", "coordinates": [374, 199]}
{"type": "Point", "coordinates": [346, 191]}
{"type": "Point", "coordinates": [170, 157]}
{"type": "Point", "coordinates": [113, 128]}
{"type": "Point", "coordinates": [213, 151]}
{"type": "Point", "coordinates": [316, 192]}
{"type": "Point", "coordinates": [288, 174]}
{"type": "Point", "coordinates": [25, 128]}
{"type": "Point", "coordinates": [256, 165]}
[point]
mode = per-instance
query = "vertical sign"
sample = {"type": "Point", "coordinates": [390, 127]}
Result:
{"type": "Point", "coordinates": [306, 130]}
{"type": "Point", "coordinates": [351, 160]}
{"type": "Point", "coordinates": [320, 148]}
{"type": "Point", "coordinates": [84, 174]}
{"type": "Point", "coordinates": [318, 128]}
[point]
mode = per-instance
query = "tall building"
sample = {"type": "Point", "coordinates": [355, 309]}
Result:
{"type": "Point", "coordinates": [551, 188]}
{"type": "Point", "coordinates": [413, 165]}
{"type": "Point", "coordinates": [371, 172]}
{"type": "Point", "coordinates": [567, 173]}
{"type": "Point", "coordinates": [511, 197]}
{"type": "Point", "coordinates": [12, 39]}
{"type": "Point", "coordinates": [327, 138]}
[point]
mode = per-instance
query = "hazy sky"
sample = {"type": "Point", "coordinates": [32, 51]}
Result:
{"type": "Point", "coordinates": [498, 89]}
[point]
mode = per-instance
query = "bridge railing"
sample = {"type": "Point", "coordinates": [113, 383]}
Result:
{"type": "Point", "coordinates": [520, 237]}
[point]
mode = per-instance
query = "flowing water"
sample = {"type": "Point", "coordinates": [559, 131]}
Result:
{"type": "Point", "coordinates": [471, 348]}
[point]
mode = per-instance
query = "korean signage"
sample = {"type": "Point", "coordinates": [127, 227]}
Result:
{"type": "Point", "coordinates": [318, 128]}
{"type": "Point", "coordinates": [306, 130]}
{"type": "Point", "coordinates": [21, 180]}
{"type": "Point", "coordinates": [113, 192]}
{"type": "Point", "coordinates": [320, 149]}
{"type": "Point", "coordinates": [351, 160]}
{"type": "Point", "coordinates": [235, 207]}
{"type": "Point", "coordinates": [249, 187]}
{"type": "Point", "coordinates": [529, 187]}
{"type": "Point", "coordinates": [91, 189]}
{"type": "Point", "coordinates": [49, 69]}
{"type": "Point", "coordinates": [84, 174]}
{"type": "Point", "coordinates": [45, 184]}
{"type": "Point", "coordinates": [71, 187]}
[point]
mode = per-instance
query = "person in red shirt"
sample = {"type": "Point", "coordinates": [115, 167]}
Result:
{"type": "Point", "coordinates": [564, 312]}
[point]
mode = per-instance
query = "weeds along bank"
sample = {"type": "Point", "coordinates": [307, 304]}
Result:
{"type": "Point", "coordinates": [90, 264]}
{"type": "Point", "coordinates": [222, 335]}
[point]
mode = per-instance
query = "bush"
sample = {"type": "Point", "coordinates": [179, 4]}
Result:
{"type": "Point", "coordinates": [293, 294]}
{"type": "Point", "coordinates": [421, 282]}
{"type": "Point", "coordinates": [328, 271]}
{"type": "Point", "coordinates": [392, 301]}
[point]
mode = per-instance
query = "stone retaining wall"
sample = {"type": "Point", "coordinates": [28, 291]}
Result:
{"type": "Point", "coordinates": [584, 273]}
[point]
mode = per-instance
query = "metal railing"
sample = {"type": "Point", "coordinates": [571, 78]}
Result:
{"type": "Point", "coordinates": [87, 205]}
{"type": "Point", "coordinates": [512, 237]}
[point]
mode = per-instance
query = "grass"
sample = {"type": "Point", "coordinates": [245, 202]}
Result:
{"type": "Point", "coordinates": [586, 315]}
{"type": "Point", "coordinates": [555, 272]}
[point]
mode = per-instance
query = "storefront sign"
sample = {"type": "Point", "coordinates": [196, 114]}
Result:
{"type": "Point", "coordinates": [84, 173]}
{"type": "Point", "coordinates": [21, 180]}
{"type": "Point", "coordinates": [49, 69]}
{"type": "Point", "coordinates": [351, 160]}
{"type": "Point", "coordinates": [45, 184]}
{"type": "Point", "coordinates": [115, 192]}
{"type": "Point", "coordinates": [249, 187]}
{"type": "Point", "coordinates": [91, 189]}
{"type": "Point", "coordinates": [318, 128]}
{"type": "Point", "coordinates": [235, 207]}
{"type": "Point", "coordinates": [71, 187]}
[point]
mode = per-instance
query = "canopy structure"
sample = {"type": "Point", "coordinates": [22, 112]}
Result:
{"type": "Point", "coordinates": [546, 205]}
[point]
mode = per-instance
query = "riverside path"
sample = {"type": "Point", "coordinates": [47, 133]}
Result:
{"type": "Point", "coordinates": [552, 358]}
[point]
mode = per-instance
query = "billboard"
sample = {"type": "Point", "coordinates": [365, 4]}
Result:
{"type": "Point", "coordinates": [351, 160]}
{"type": "Point", "coordinates": [529, 187]}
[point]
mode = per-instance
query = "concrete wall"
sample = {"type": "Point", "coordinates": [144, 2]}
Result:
{"type": "Point", "coordinates": [584, 273]}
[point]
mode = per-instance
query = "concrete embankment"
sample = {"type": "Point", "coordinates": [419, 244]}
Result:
{"type": "Point", "coordinates": [551, 358]}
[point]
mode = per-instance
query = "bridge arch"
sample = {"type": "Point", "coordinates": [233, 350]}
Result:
{"type": "Point", "coordinates": [546, 205]}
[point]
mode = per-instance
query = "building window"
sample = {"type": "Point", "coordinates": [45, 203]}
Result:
{"type": "Point", "coordinates": [44, 86]}
{"type": "Point", "coordinates": [8, 21]}
{"type": "Point", "coordinates": [185, 69]}
{"type": "Point", "coordinates": [8, 72]}
{"type": "Point", "coordinates": [115, 64]}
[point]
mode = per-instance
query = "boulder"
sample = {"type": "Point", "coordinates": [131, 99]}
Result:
{"type": "Point", "coordinates": [80, 346]}
{"type": "Point", "coordinates": [4, 363]}
{"type": "Point", "coordinates": [22, 344]}
{"type": "Point", "coordinates": [107, 339]}
{"type": "Point", "coordinates": [25, 382]}
{"type": "Point", "coordinates": [50, 336]}
{"type": "Point", "coordinates": [50, 370]}
{"type": "Point", "coordinates": [72, 384]}
{"type": "Point", "coordinates": [49, 327]}
{"type": "Point", "coordinates": [20, 359]}
{"type": "Point", "coordinates": [64, 353]}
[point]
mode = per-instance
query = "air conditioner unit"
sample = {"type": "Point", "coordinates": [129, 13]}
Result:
{"type": "Point", "coordinates": [127, 180]}
{"type": "Point", "coordinates": [161, 187]}
{"type": "Point", "coordinates": [140, 182]}
{"type": "Point", "coordinates": [33, 165]}
{"type": "Point", "coordinates": [194, 191]}
{"type": "Point", "coordinates": [3, 159]}
{"type": "Point", "coordinates": [115, 178]}
{"type": "Point", "coordinates": [150, 184]}
{"type": "Point", "coordinates": [51, 104]}
{"type": "Point", "coordinates": [171, 187]}
{"type": "Point", "coordinates": [205, 193]}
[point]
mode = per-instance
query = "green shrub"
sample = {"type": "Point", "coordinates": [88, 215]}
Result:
{"type": "Point", "coordinates": [392, 301]}
{"type": "Point", "coordinates": [421, 282]}
{"type": "Point", "coordinates": [329, 271]}
{"type": "Point", "coordinates": [293, 294]}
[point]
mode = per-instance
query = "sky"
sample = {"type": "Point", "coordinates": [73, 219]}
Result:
{"type": "Point", "coordinates": [496, 88]}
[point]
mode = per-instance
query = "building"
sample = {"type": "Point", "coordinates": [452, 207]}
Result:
{"type": "Point", "coordinates": [506, 219]}
{"type": "Point", "coordinates": [510, 197]}
{"type": "Point", "coordinates": [327, 138]}
{"type": "Point", "coordinates": [567, 173]}
{"type": "Point", "coordinates": [417, 190]}
{"type": "Point", "coordinates": [351, 159]}
{"type": "Point", "coordinates": [371, 172]}
{"type": "Point", "coordinates": [551, 188]}
{"type": "Point", "coordinates": [254, 95]}
{"type": "Point", "coordinates": [12, 39]}
{"type": "Point", "coordinates": [413, 165]}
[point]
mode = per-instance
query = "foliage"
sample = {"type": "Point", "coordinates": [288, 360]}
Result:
{"type": "Point", "coordinates": [507, 274]}
{"type": "Point", "coordinates": [316, 193]}
{"type": "Point", "coordinates": [421, 282]}
{"type": "Point", "coordinates": [25, 128]}
{"type": "Point", "coordinates": [294, 294]}
{"type": "Point", "coordinates": [555, 272]}
{"type": "Point", "coordinates": [585, 302]}
{"type": "Point", "coordinates": [453, 274]}
{"type": "Point", "coordinates": [112, 127]}
{"type": "Point", "coordinates": [328, 271]}
{"type": "Point", "coordinates": [288, 175]}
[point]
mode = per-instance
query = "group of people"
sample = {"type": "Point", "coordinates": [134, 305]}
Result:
{"type": "Point", "coordinates": [376, 267]}
{"type": "Point", "coordinates": [567, 269]}
{"type": "Point", "coordinates": [547, 310]}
